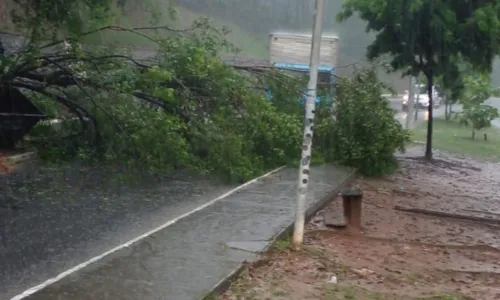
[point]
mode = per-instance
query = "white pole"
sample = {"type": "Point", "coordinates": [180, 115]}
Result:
{"type": "Point", "coordinates": [298, 233]}
{"type": "Point", "coordinates": [411, 94]}
{"type": "Point", "coordinates": [418, 99]}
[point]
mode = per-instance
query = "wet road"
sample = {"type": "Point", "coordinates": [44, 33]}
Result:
{"type": "Point", "coordinates": [64, 216]}
{"type": "Point", "coordinates": [180, 262]}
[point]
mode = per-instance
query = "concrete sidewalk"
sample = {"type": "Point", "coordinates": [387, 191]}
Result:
{"type": "Point", "coordinates": [186, 260]}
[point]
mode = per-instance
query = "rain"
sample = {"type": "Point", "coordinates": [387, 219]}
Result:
{"type": "Point", "coordinates": [150, 148]}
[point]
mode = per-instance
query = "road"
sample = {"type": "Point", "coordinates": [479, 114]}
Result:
{"type": "Point", "coordinates": [495, 102]}
{"type": "Point", "coordinates": [439, 112]}
{"type": "Point", "coordinates": [65, 215]}
{"type": "Point", "coordinates": [396, 104]}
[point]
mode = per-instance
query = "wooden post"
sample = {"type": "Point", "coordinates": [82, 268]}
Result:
{"type": "Point", "coordinates": [352, 199]}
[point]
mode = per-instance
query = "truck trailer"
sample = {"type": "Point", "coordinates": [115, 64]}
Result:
{"type": "Point", "coordinates": [292, 52]}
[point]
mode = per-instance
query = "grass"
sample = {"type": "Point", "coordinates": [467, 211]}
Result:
{"type": "Point", "coordinates": [250, 44]}
{"type": "Point", "coordinates": [452, 137]}
{"type": "Point", "coordinates": [350, 292]}
{"type": "Point", "coordinates": [283, 244]}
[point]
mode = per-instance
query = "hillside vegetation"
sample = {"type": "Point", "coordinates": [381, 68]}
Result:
{"type": "Point", "coordinates": [164, 13]}
{"type": "Point", "coordinates": [152, 13]}
{"type": "Point", "coordinates": [250, 22]}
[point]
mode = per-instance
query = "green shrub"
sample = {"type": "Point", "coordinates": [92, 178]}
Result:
{"type": "Point", "coordinates": [364, 134]}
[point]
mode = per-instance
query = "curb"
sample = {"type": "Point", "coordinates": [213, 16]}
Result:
{"type": "Point", "coordinates": [222, 286]}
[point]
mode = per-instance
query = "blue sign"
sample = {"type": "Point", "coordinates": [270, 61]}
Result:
{"type": "Point", "coordinates": [300, 67]}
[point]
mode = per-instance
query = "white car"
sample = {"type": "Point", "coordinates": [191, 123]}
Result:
{"type": "Point", "coordinates": [421, 98]}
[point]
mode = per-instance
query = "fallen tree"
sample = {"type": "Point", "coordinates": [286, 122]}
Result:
{"type": "Point", "coordinates": [184, 108]}
{"type": "Point", "coordinates": [181, 108]}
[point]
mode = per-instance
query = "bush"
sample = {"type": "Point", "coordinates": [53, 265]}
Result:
{"type": "Point", "coordinates": [361, 131]}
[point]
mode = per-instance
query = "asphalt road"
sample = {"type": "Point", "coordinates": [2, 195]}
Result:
{"type": "Point", "coordinates": [65, 215]}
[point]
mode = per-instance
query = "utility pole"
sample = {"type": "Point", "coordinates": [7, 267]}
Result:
{"type": "Point", "coordinates": [418, 98]}
{"type": "Point", "coordinates": [304, 170]}
{"type": "Point", "coordinates": [411, 103]}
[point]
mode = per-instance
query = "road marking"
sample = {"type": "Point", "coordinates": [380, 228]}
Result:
{"type": "Point", "coordinates": [77, 268]}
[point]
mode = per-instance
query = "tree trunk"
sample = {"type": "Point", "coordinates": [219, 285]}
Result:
{"type": "Point", "coordinates": [447, 114]}
{"type": "Point", "coordinates": [473, 134]}
{"type": "Point", "coordinates": [428, 146]}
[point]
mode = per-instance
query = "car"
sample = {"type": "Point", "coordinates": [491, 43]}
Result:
{"type": "Point", "coordinates": [421, 98]}
{"type": "Point", "coordinates": [422, 101]}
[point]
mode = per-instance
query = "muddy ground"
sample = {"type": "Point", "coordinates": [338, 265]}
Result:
{"type": "Point", "coordinates": [447, 248]}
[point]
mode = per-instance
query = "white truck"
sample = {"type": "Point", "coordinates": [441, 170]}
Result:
{"type": "Point", "coordinates": [294, 50]}
{"type": "Point", "coordinates": [290, 51]}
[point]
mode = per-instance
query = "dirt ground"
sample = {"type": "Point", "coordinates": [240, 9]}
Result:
{"type": "Point", "coordinates": [448, 248]}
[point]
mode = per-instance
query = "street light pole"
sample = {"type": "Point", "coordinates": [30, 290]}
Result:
{"type": "Point", "coordinates": [411, 105]}
{"type": "Point", "coordinates": [304, 170]}
{"type": "Point", "coordinates": [418, 99]}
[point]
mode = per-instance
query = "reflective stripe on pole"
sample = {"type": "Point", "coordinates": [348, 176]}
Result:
{"type": "Point", "coordinates": [304, 170]}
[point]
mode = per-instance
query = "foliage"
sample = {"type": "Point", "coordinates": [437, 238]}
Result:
{"type": "Point", "coordinates": [186, 110]}
{"type": "Point", "coordinates": [428, 36]}
{"type": "Point", "coordinates": [365, 133]}
{"type": "Point", "coordinates": [478, 117]}
{"type": "Point", "coordinates": [453, 79]}
{"type": "Point", "coordinates": [477, 90]}
{"type": "Point", "coordinates": [475, 113]}
{"type": "Point", "coordinates": [40, 19]}
{"type": "Point", "coordinates": [183, 107]}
